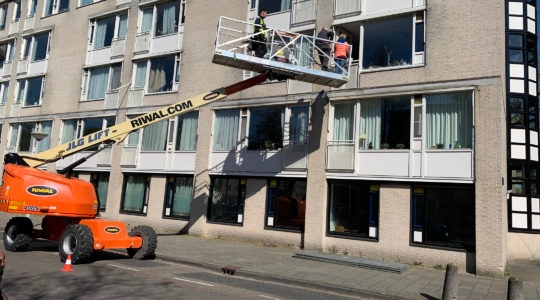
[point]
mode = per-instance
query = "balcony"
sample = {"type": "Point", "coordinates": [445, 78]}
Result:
{"type": "Point", "coordinates": [340, 156]}
{"type": "Point", "coordinates": [134, 157]}
{"type": "Point", "coordinates": [30, 68]}
{"type": "Point", "coordinates": [14, 27]}
{"type": "Point", "coordinates": [136, 97]}
{"type": "Point", "coordinates": [295, 156]}
{"type": "Point", "coordinates": [6, 69]}
{"type": "Point", "coordinates": [346, 8]}
{"type": "Point", "coordinates": [28, 23]}
{"type": "Point", "coordinates": [147, 43]}
{"type": "Point", "coordinates": [111, 100]}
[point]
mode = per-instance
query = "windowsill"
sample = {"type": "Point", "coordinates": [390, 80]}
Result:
{"type": "Point", "coordinates": [54, 14]}
{"type": "Point", "coordinates": [344, 235]}
{"type": "Point", "coordinates": [185, 218]}
{"type": "Point", "coordinates": [164, 35]}
{"type": "Point", "coordinates": [160, 93]}
{"type": "Point", "coordinates": [92, 100]}
{"type": "Point", "coordinates": [29, 106]}
{"type": "Point", "coordinates": [225, 223]}
{"type": "Point", "coordinates": [132, 213]}
{"type": "Point", "coordinates": [441, 247]}
{"type": "Point", "coordinates": [283, 228]}
{"type": "Point", "coordinates": [392, 68]}
{"type": "Point", "coordinates": [102, 48]}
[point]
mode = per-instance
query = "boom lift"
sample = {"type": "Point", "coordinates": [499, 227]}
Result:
{"type": "Point", "coordinates": [70, 206]}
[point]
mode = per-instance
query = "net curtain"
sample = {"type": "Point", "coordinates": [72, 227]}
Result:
{"type": "Point", "coordinates": [226, 130]}
{"type": "Point", "coordinates": [370, 123]}
{"type": "Point", "coordinates": [449, 120]}
{"type": "Point", "coordinates": [98, 83]}
{"type": "Point", "coordinates": [187, 131]}
{"type": "Point", "coordinates": [155, 136]}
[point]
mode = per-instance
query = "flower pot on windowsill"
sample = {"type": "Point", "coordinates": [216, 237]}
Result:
{"type": "Point", "coordinates": [385, 146]}
{"type": "Point", "coordinates": [400, 146]}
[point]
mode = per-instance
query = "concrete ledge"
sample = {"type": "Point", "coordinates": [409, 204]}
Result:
{"type": "Point", "coordinates": [353, 261]}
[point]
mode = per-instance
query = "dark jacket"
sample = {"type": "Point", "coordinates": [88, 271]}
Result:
{"type": "Point", "coordinates": [326, 35]}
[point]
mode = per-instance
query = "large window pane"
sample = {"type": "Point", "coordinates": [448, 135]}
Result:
{"type": "Point", "coordinates": [225, 135]}
{"type": "Point", "coordinates": [40, 46]}
{"type": "Point", "coordinates": [227, 200]}
{"type": "Point", "coordinates": [155, 137]}
{"type": "Point", "coordinates": [186, 133]}
{"type": "Point", "coordinates": [161, 74]}
{"type": "Point", "coordinates": [353, 208]}
{"type": "Point", "coordinates": [266, 128]}
{"type": "Point", "coordinates": [286, 203]}
{"type": "Point", "coordinates": [25, 138]}
{"type": "Point", "coordinates": [343, 122]}
{"type": "Point", "coordinates": [449, 121]}
{"type": "Point", "coordinates": [33, 91]}
{"type": "Point", "coordinates": [104, 32]}
{"type": "Point", "coordinates": [274, 6]}
{"type": "Point", "coordinates": [167, 18]}
{"type": "Point", "coordinates": [135, 193]}
{"type": "Point", "coordinates": [444, 217]}
{"type": "Point", "coordinates": [178, 196]}
{"type": "Point", "coordinates": [298, 132]}
{"type": "Point", "coordinates": [98, 83]}
{"type": "Point", "coordinates": [101, 183]}
{"type": "Point", "coordinates": [388, 43]}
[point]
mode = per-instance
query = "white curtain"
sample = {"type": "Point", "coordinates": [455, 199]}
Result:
{"type": "Point", "coordinates": [98, 83]}
{"type": "Point", "coordinates": [370, 123]}
{"type": "Point", "coordinates": [122, 26]}
{"type": "Point", "coordinates": [68, 131]}
{"type": "Point", "coordinates": [187, 131]}
{"type": "Point", "coordinates": [161, 74]}
{"type": "Point", "coordinates": [146, 23]}
{"type": "Point", "coordinates": [102, 38]}
{"type": "Point", "coordinates": [116, 73]}
{"type": "Point", "coordinates": [134, 193]}
{"type": "Point", "coordinates": [343, 122]}
{"type": "Point", "coordinates": [226, 130]}
{"type": "Point", "coordinates": [449, 121]}
{"type": "Point", "coordinates": [285, 4]}
{"type": "Point", "coordinates": [155, 136]}
{"type": "Point", "coordinates": [140, 74]}
{"type": "Point", "coordinates": [169, 17]}
{"type": "Point", "coordinates": [182, 196]}
{"type": "Point", "coordinates": [14, 136]}
{"type": "Point", "coordinates": [45, 143]}
{"type": "Point", "coordinates": [299, 124]}
{"type": "Point", "coordinates": [5, 90]}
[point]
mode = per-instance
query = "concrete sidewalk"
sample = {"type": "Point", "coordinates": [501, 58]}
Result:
{"type": "Point", "coordinates": [279, 265]}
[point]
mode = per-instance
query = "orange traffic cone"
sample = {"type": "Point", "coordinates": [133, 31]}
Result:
{"type": "Point", "coordinates": [67, 266]}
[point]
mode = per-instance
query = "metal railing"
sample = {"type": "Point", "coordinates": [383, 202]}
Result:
{"type": "Point", "coordinates": [282, 46]}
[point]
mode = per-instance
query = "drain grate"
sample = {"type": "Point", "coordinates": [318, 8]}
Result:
{"type": "Point", "coordinates": [229, 270]}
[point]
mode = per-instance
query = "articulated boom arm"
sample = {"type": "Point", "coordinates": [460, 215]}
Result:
{"type": "Point", "coordinates": [118, 133]}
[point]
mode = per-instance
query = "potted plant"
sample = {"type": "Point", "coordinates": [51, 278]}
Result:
{"type": "Point", "coordinates": [400, 146]}
{"type": "Point", "coordinates": [385, 146]}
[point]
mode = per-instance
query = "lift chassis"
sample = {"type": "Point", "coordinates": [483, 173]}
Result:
{"type": "Point", "coordinates": [69, 205]}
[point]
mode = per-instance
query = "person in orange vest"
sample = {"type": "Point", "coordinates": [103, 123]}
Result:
{"type": "Point", "coordinates": [341, 52]}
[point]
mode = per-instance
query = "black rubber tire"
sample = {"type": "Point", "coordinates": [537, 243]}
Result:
{"type": "Point", "coordinates": [78, 241]}
{"type": "Point", "coordinates": [148, 248]}
{"type": "Point", "coordinates": [18, 234]}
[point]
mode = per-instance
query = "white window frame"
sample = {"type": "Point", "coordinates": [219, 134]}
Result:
{"type": "Point", "coordinates": [3, 86]}
{"type": "Point", "coordinates": [86, 81]}
{"type": "Point", "coordinates": [93, 28]}
{"type": "Point", "coordinates": [28, 43]}
{"type": "Point", "coordinates": [16, 11]}
{"type": "Point", "coordinates": [34, 144]}
{"type": "Point", "coordinates": [181, 14]}
{"type": "Point", "coordinates": [176, 74]}
{"type": "Point", "coordinates": [22, 100]}
{"type": "Point", "coordinates": [3, 16]}
{"type": "Point", "coordinates": [79, 127]}
{"type": "Point", "coordinates": [29, 8]}
{"type": "Point", "coordinates": [55, 7]}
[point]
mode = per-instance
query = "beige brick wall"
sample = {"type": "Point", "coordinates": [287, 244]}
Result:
{"type": "Point", "coordinates": [523, 246]}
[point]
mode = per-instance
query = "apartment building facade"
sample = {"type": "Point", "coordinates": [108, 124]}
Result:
{"type": "Point", "coordinates": [429, 154]}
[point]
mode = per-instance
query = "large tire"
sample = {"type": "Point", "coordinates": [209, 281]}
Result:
{"type": "Point", "coordinates": [78, 241]}
{"type": "Point", "coordinates": [18, 234]}
{"type": "Point", "coordinates": [149, 244]}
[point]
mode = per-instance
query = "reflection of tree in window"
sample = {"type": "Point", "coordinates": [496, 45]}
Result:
{"type": "Point", "coordinates": [266, 128]}
{"type": "Point", "coordinates": [388, 43]}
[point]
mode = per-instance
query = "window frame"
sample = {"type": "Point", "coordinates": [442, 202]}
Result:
{"type": "Point", "coordinates": [148, 68]}
{"type": "Point", "coordinates": [240, 200]}
{"type": "Point", "coordinates": [374, 207]}
{"type": "Point", "coordinates": [54, 7]}
{"type": "Point", "coordinates": [170, 191]}
{"type": "Point", "coordinates": [28, 50]}
{"type": "Point", "coordinates": [154, 16]}
{"type": "Point", "coordinates": [87, 79]}
{"type": "Point", "coordinates": [272, 205]}
{"type": "Point", "coordinates": [14, 142]}
{"type": "Point", "coordinates": [95, 179]}
{"type": "Point", "coordinates": [22, 96]}
{"type": "Point", "coordinates": [418, 233]}
{"type": "Point", "coordinates": [145, 196]}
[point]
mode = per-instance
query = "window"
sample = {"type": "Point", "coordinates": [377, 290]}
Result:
{"type": "Point", "coordinates": [273, 6]}
{"type": "Point", "coordinates": [186, 131]}
{"type": "Point", "coordinates": [165, 18]}
{"type": "Point", "coordinates": [30, 91]}
{"type": "Point", "coordinates": [88, 2]}
{"type": "Point", "coordinates": [101, 183]}
{"type": "Point", "coordinates": [3, 14]}
{"type": "Point", "coordinates": [36, 47]}
{"type": "Point", "coordinates": [449, 121]}
{"type": "Point", "coordinates": [225, 137]}
{"type": "Point", "coordinates": [286, 203]}
{"type": "Point", "coordinates": [298, 125]}
{"type": "Point", "coordinates": [21, 139]}
{"type": "Point", "coordinates": [524, 203]}
{"type": "Point", "coordinates": [32, 6]}
{"type": "Point", "coordinates": [100, 80]}
{"type": "Point", "coordinates": [158, 74]}
{"type": "Point", "coordinates": [178, 195]}
{"type": "Point", "coordinates": [135, 194]}
{"type": "Point", "coordinates": [227, 200]}
{"type": "Point", "coordinates": [391, 42]}
{"type": "Point", "coordinates": [155, 136]}
{"type": "Point", "coordinates": [53, 7]}
{"type": "Point", "coordinates": [265, 128]}
{"type": "Point", "coordinates": [103, 31]}
{"type": "Point", "coordinates": [353, 209]}
{"type": "Point", "coordinates": [17, 11]}
{"type": "Point", "coordinates": [386, 123]}
{"type": "Point", "coordinates": [4, 89]}
{"type": "Point", "coordinates": [77, 128]}
{"type": "Point", "coordinates": [443, 217]}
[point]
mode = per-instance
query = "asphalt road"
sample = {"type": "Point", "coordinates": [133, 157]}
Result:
{"type": "Point", "coordinates": [37, 274]}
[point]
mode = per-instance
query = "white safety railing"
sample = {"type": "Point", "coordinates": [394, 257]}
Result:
{"type": "Point", "coordinates": [294, 49]}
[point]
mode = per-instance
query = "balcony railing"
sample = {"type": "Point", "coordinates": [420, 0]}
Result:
{"type": "Point", "coordinates": [130, 156]}
{"type": "Point", "coordinates": [340, 155]}
{"type": "Point", "coordinates": [295, 156]}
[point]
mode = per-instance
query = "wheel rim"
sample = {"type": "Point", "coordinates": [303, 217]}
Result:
{"type": "Point", "coordinates": [11, 234]}
{"type": "Point", "coordinates": [69, 244]}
